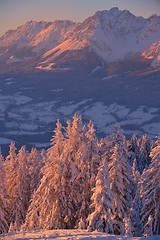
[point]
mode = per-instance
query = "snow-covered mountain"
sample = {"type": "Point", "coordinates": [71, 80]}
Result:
{"type": "Point", "coordinates": [107, 36]}
{"type": "Point", "coordinates": [23, 45]}
{"type": "Point", "coordinates": [39, 35]}
{"type": "Point", "coordinates": [113, 35]}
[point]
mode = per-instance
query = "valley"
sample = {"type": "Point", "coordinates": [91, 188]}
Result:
{"type": "Point", "coordinates": [31, 104]}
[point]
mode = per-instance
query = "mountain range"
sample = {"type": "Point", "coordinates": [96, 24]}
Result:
{"type": "Point", "coordinates": [107, 37]}
{"type": "Point", "coordinates": [106, 69]}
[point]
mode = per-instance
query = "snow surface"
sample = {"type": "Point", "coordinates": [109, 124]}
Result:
{"type": "Point", "coordinates": [12, 59]}
{"type": "Point", "coordinates": [5, 140]}
{"type": "Point", "coordinates": [110, 77]}
{"type": "Point", "coordinates": [153, 53]}
{"type": "Point", "coordinates": [69, 235]}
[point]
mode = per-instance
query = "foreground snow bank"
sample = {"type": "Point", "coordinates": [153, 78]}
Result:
{"type": "Point", "coordinates": [69, 234]}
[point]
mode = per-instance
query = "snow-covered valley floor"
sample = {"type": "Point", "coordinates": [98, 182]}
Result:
{"type": "Point", "coordinates": [70, 235]}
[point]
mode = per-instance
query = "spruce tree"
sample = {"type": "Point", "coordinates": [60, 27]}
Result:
{"type": "Point", "coordinates": [100, 218]}
{"type": "Point", "coordinates": [34, 162]}
{"type": "Point", "coordinates": [88, 161]}
{"type": "Point", "coordinates": [137, 203]}
{"type": "Point", "coordinates": [120, 183]}
{"type": "Point", "coordinates": [3, 198]}
{"type": "Point", "coordinates": [150, 191]}
{"type": "Point", "coordinates": [18, 187]}
{"type": "Point", "coordinates": [48, 201]}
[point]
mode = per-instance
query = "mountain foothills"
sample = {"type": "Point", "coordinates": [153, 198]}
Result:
{"type": "Point", "coordinates": [110, 185]}
{"type": "Point", "coordinates": [106, 37]}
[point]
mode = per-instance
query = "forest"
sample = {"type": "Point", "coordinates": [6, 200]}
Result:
{"type": "Point", "coordinates": [111, 184]}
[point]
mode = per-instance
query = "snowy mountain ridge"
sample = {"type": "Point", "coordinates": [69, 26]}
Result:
{"type": "Point", "coordinates": [111, 35]}
{"type": "Point", "coordinates": [41, 35]}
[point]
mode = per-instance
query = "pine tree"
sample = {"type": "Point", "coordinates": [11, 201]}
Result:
{"type": "Point", "coordinates": [18, 187]}
{"type": "Point", "coordinates": [3, 198]}
{"type": "Point", "coordinates": [57, 142]}
{"type": "Point", "coordinates": [34, 162]}
{"type": "Point", "coordinates": [43, 155]}
{"type": "Point", "coordinates": [150, 191]}
{"type": "Point", "coordinates": [120, 182]}
{"type": "Point", "coordinates": [75, 134]}
{"type": "Point", "coordinates": [88, 160]}
{"type": "Point", "coordinates": [139, 149]}
{"type": "Point", "coordinates": [102, 202]}
{"type": "Point", "coordinates": [137, 203]}
{"type": "Point", "coordinates": [134, 149]}
{"type": "Point", "coordinates": [48, 201]}
{"type": "Point", "coordinates": [145, 148]}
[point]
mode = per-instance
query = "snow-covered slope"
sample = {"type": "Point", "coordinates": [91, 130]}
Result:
{"type": "Point", "coordinates": [108, 36]}
{"type": "Point", "coordinates": [70, 234]}
{"type": "Point", "coordinates": [40, 35]}
{"type": "Point", "coordinates": [153, 54]}
{"type": "Point", "coordinates": [113, 35]}
{"type": "Point", "coordinates": [20, 48]}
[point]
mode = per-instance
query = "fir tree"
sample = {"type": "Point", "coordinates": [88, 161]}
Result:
{"type": "Point", "coordinates": [150, 191]}
{"type": "Point", "coordinates": [102, 202]}
{"type": "Point", "coordinates": [34, 162]}
{"type": "Point", "coordinates": [75, 134]}
{"type": "Point", "coordinates": [45, 210]}
{"type": "Point", "coordinates": [120, 182]}
{"type": "Point", "coordinates": [137, 203]}
{"type": "Point", "coordinates": [88, 160]}
{"type": "Point", "coordinates": [18, 187]}
{"type": "Point", "coordinates": [3, 198]}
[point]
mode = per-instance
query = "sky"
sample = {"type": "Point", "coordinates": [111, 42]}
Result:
{"type": "Point", "coordinates": [14, 13]}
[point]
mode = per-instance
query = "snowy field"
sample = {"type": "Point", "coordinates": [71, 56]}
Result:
{"type": "Point", "coordinates": [70, 235]}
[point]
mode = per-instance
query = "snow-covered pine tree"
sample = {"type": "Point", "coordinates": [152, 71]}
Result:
{"type": "Point", "coordinates": [88, 160]}
{"type": "Point", "coordinates": [145, 149]}
{"type": "Point", "coordinates": [139, 149]}
{"type": "Point", "coordinates": [43, 155]}
{"type": "Point", "coordinates": [57, 142]}
{"type": "Point", "coordinates": [18, 186]}
{"type": "Point", "coordinates": [34, 162]}
{"type": "Point", "coordinates": [75, 134]}
{"type": "Point", "coordinates": [100, 218]}
{"type": "Point", "coordinates": [133, 149]}
{"type": "Point", "coordinates": [3, 198]}
{"type": "Point", "coordinates": [120, 185]}
{"type": "Point", "coordinates": [118, 138]}
{"type": "Point", "coordinates": [48, 201]}
{"type": "Point", "coordinates": [24, 178]}
{"type": "Point", "coordinates": [11, 167]}
{"type": "Point", "coordinates": [150, 191]}
{"type": "Point", "coordinates": [136, 204]}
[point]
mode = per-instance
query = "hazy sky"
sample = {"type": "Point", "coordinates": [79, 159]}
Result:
{"type": "Point", "coordinates": [16, 12]}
